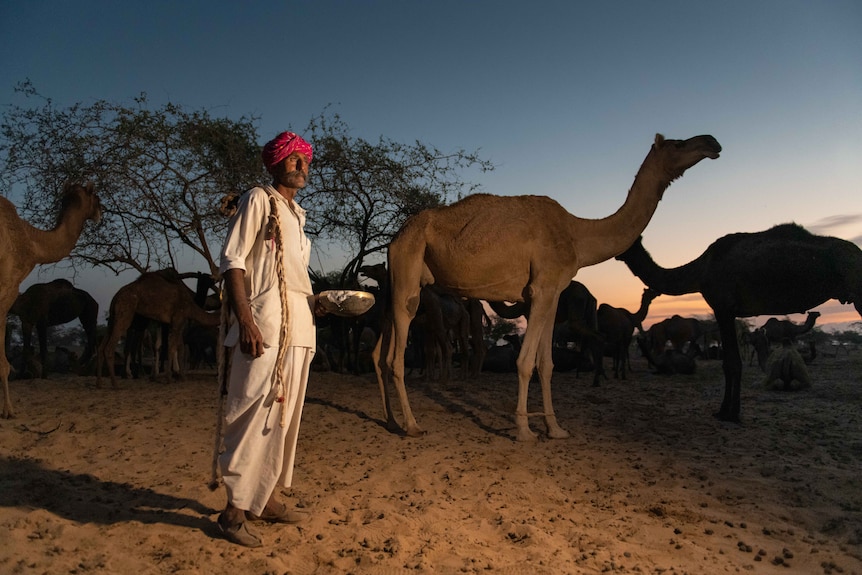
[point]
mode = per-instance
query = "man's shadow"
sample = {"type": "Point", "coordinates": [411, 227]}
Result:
{"type": "Point", "coordinates": [88, 499]}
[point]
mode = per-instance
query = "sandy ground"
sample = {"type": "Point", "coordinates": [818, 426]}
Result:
{"type": "Point", "coordinates": [102, 481]}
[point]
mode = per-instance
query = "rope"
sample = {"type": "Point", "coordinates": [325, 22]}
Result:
{"type": "Point", "coordinates": [274, 227]}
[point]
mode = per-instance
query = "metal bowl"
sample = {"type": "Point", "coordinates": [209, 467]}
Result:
{"type": "Point", "coordinates": [346, 302]}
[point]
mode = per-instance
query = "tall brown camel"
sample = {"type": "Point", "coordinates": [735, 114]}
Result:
{"type": "Point", "coordinates": [517, 248]}
{"type": "Point", "coordinates": [159, 296]}
{"type": "Point", "coordinates": [777, 330]}
{"type": "Point", "coordinates": [782, 270]}
{"type": "Point", "coordinates": [25, 246]}
{"type": "Point", "coordinates": [57, 302]}
{"type": "Point", "coordinates": [616, 325]}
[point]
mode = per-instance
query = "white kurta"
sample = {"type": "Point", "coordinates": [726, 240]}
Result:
{"type": "Point", "coordinates": [259, 454]}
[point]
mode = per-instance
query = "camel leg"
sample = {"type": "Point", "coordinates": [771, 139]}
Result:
{"type": "Point", "coordinates": [42, 332]}
{"type": "Point", "coordinates": [732, 367]}
{"type": "Point", "coordinates": [399, 345]}
{"type": "Point", "coordinates": [545, 367]}
{"type": "Point", "coordinates": [118, 326]}
{"type": "Point", "coordinates": [4, 372]}
{"type": "Point", "coordinates": [381, 368]}
{"type": "Point", "coordinates": [526, 363]}
{"type": "Point", "coordinates": [537, 352]}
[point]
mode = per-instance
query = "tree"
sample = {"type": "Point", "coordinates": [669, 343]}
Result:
{"type": "Point", "coordinates": [360, 193]}
{"type": "Point", "coordinates": [160, 175]}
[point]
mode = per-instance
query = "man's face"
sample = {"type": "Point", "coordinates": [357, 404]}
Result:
{"type": "Point", "coordinates": [292, 172]}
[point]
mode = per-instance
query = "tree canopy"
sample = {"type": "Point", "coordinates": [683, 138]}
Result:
{"type": "Point", "coordinates": [161, 174]}
{"type": "Point", "coordinates": [360, 193]}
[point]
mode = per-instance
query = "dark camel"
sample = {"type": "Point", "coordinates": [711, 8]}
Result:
{"type": "Point", "coordinates": [159, 296]}
{"type": "Point", "coordinates": [25, 246]}
{"type": "Point", "coordinates": [782, 270]}
{"type": "Point", "coordinates": [617, 325]}
{"type": "Point", "coordinates": [777, 330]}
{"type": "Point", "coordinates": [670, 361]}
{"type": "Point", "coordinates": [516, 248]}
{"type": "Point", "coordinates": [575, 321]}
{"type": "Point", "coordinates": [677, 330]}
{"type": "Point", "coordinates": [55, 303]}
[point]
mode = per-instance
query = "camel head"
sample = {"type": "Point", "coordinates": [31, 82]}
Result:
{"type": "Point", "coordinates": [81, 200]}
{"type": "Point", "coordinates": [674, 157]}
{"type": "Point", "coordinates": [376, 272]}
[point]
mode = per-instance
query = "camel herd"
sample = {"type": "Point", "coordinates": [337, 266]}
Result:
{"type": "Point", "coordinates": [520, 258]}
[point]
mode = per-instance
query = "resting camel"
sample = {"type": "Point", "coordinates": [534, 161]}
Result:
{"type": "Point", "coordinates": [670, 361]}
{"type": "Point", "coordinates": [54, 303]}
{"type": "Point", "coordinates": [616, 325]}
{"type": "Point", "coordinates": [518, 249]}
{"type": "Point", "coordinates": [777, 330]}
{"type": "Point", "coordinates": [786, 364]}
{"type": "Point", "coordinates": [782, 270]}
{"type": "Point", "coordinates": [159, 296]}
{"type": "Point", "coordinates": [25, 246]}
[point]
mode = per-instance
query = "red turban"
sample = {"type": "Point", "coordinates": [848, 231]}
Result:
{"type": "Point", "coordinates": [282, 146]}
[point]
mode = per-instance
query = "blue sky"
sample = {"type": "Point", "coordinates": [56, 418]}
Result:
{"type": "Point", "coordinates": [565, 97]}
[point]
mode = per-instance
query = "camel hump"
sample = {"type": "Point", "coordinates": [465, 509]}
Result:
{"type": "Point", "coordinates": [61, 283]}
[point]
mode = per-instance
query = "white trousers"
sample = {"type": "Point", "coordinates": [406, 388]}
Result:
{"type": "Point", "coordinates": [259, 453]}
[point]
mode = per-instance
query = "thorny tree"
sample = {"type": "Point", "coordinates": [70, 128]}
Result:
{"type": "Point", "coordinates": [159, 174]}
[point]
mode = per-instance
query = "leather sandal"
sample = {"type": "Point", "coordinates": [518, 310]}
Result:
{"type": "Point", "coordinates": [239, 534]}
{"type": "Point", "coordinates": [284, 515]}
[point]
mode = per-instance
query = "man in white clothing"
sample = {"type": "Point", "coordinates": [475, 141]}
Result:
{"type": "Point", "coordinates": [264, 262]}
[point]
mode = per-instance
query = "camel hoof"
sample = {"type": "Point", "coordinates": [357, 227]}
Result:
{"type": "Point", "coordinates": [558, 433]}
{"type": "Point", "coordinates": [414, 431]}
{"type": "Point", "coordinates": [722, 416]}
{"type": "Point", "coordinates": [525, 434]}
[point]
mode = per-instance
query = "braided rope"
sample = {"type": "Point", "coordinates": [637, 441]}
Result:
{"type": "Point", "coordinates": [283, 336]}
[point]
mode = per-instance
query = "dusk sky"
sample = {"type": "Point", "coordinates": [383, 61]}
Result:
{"type": "Point", "coordinates": [564, 97]}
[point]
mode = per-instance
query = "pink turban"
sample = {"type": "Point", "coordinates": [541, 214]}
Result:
{"type": "Point", "coordinates": [282, 146]}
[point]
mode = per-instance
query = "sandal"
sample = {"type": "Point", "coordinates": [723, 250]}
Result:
{"type": "Point", "coordinates": [239, 534]}
{"type": "Point", "coordinates": [284, 515]}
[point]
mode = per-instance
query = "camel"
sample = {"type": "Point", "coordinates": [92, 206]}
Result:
{"type": "Point", "coordinates": [159, 296]}
{"type": "Point", "coordinates": [782, 270]}
{"type": "Point", "coordinates": [777, 330]}
{"type": "Point", "coordinates": [670, 360]}
{"type": "Point", "coordinates": [786, 364]}
{"type": "Point", "coordinates": [616, 325]}
{"type": "Point", "coordinates": [576, 340]}
{"type": "Point", "coordinates": [478, 318]}
{"type": "Point", "coordinates": [517, 249]}
{"type": "Point", "coordinates": [25, 246]}
{"type": "Point", "coordinates": [677, 330]}
{"type": "Point", "coordinates": [54, 303]}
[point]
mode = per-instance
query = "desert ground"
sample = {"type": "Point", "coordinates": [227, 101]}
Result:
{"type": "Point", "coordinates": [116, 481]}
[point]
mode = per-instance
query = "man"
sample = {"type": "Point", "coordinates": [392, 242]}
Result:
{"type": "Point", "coordinates": [264, 262]}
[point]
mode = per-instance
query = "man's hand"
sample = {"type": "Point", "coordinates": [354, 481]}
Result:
{"type": "Point", "coordinates": [319, 310]}
{"type": "Point", "coordinates": [250, 339]}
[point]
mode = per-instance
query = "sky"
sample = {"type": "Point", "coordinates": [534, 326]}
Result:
{"type": "Point", "coordinates": [564, 97]}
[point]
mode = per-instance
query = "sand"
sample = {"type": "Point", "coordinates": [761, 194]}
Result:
{"type": "Point", "coordinates": [103, 481]}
